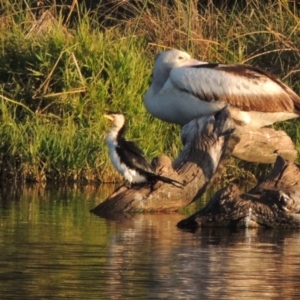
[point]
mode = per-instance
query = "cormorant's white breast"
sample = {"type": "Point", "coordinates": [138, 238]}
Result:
{"type": "Point", "coordinates": [183, 88]}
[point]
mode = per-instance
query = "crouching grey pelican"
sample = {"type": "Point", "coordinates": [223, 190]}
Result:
{"type": "Point", "coordinates": [184, 88]}
{"type": "Point", "coordinates": [127, 158]}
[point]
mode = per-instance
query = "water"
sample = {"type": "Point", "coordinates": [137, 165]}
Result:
{"type": "Point", "coordinates": [51, 247]}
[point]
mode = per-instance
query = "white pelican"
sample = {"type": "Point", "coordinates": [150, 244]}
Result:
{"type": "Point", "coordinates": [184, 88]}
{"type": "Point", "coordinates": [127, 158]}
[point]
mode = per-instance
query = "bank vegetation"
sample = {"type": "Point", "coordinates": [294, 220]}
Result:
{"type": "Point", "coordinates": [63, 65]}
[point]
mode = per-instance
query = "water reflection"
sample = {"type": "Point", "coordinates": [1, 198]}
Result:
{"type": "Point", "coordinates": [53, 248]}
{"type": "Point", "coordinates": [244, 264]}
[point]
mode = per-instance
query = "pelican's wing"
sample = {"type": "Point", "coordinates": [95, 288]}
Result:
{"type": "Point", "coordinates": [242, 86]}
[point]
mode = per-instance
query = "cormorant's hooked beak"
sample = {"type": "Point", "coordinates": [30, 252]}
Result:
{"type": "Point", "coordinates": [109, 117]}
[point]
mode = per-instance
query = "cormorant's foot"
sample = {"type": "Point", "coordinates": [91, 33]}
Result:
{"type": "Point", "coordinates": [134, 185]}
{"type": "Point", "coordinates": [128, 184]}
{"type": "Point", "coordinates": [152, 187]}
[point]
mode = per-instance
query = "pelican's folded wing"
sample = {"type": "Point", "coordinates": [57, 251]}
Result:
{"type": "Point", "coordinates": [242, 86]}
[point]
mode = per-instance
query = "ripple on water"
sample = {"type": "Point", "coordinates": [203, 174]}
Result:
{"type": "Point", "coordinates": [53, 248]}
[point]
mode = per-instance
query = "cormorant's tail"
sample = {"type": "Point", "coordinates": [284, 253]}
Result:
{"type": "Point", "coordinates": [169, 180]}
{"type": "Point", "coordinates": [153, 178]}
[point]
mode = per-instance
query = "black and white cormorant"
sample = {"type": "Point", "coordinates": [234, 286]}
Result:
{"type": "Point", "coordinates": [127, 158]}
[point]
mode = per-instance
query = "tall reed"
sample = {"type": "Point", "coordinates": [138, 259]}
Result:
{"type": "Point", "coordinates": [62, 67]}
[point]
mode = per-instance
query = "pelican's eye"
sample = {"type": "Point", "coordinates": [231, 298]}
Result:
{"type": "Point", "coordinates": [180, 57]}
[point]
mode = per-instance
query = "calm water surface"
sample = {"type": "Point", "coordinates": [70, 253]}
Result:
{"type": "Point", "coordinates": [51, 247]}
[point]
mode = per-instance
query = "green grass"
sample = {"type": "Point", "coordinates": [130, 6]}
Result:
{"type": "Point", "coordinates": [56, 85]}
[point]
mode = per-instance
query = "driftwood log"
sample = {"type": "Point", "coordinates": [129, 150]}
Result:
{"type": "Point", "coordinates": [275, 202]}
{"type": "Point", "coordinates": [208, 142]}
{"type": "Point", "coordinates": [264, 145]}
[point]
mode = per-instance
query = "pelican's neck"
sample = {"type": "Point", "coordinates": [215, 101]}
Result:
{"type": "Point", "coordinates": [160, 76]}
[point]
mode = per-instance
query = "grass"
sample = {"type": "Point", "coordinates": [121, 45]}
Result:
{"type": "Point", "coordinates": [57, 80]}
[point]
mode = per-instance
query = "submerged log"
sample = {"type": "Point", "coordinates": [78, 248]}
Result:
{"type": "Point", "coordinates": [275, 202]}
{"type": "Point", "coordinates": [208, 142]}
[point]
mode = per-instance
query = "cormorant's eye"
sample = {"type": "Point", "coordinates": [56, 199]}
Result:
{"type": "Point", "coordinates": [180, 57]}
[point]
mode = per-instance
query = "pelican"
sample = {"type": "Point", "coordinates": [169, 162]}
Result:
{"type": "Point", "coordinates": [184, 88]}
{"type": "Point", "coordinates": [127, 158]}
